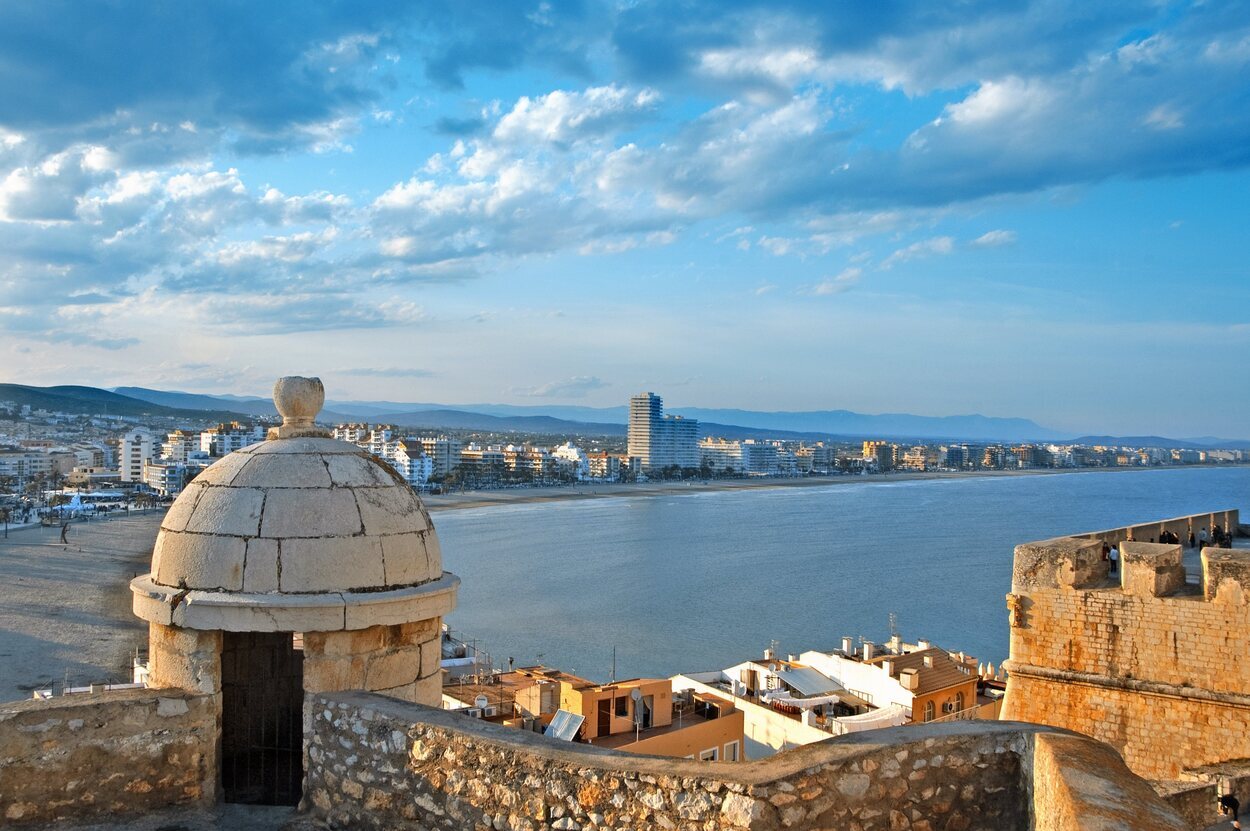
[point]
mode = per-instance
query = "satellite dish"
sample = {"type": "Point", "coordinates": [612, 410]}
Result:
{"type": "Point", "coordinates": [635, 694]}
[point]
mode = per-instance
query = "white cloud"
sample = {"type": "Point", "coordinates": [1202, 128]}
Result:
{"type": "Point", "coordinates": [993, 239]}
{"type": "Point", "coordinates": [575, 387]}
{"type": "Point", "coordinates": [918, 250]}
{"type": "Point", "coordinates": [842, 282]}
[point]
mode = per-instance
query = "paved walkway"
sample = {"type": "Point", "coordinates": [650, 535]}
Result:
{"type": "Point", "coordinates": [219, 818]}
{"type": "Point", "coordinates": [65, 609]}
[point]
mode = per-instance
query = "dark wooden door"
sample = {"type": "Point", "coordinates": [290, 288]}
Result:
{"type": "Point", "coordinates": [262, 703]}
{"type": "Point", "coordinates": [605, 717]}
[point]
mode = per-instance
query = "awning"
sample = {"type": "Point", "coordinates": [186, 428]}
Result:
{"type": "Point", "coordinates": [808, 681]}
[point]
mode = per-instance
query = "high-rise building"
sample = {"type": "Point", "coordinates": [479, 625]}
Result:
{"type": "Point", "coordinates": [882, 453]}
{"type": "Point", "coordinates": [661, 441]}
{"type": "Point", "coordinates": [137, 447]}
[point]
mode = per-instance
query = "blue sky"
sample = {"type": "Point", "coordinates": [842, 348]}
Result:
{"type": "Point", "coordinates": [1031, 209]}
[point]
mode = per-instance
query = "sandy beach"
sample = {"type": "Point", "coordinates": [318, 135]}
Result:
{"type": "Point", "coordinates": [609, 490]}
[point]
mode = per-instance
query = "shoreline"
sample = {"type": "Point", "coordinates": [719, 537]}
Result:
{"type": "Point", "coordinates": [623, 490]}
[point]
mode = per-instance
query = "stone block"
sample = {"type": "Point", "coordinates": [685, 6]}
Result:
{"type": "Point", "coordinates": [390, 510]}
{"type": "Point", "coordinates": [1063, 562]}
{"type": "Point", "coordinates": [324, 446]}
{"type": "Point", "coordinates": [199, 561]}
{"type": "Point", "coordinates": [325, 674]}
{"type": "Point", "coordinates": [176, 517]}
{"type": "Point", "coordinates": [1151, 569]}
{"type": "Point", "coordinates": [222, 471]}
{"type": "Point", "coordinates": [387, 608]}
{"type": "Point", "coordinates": [313, 512]}
{"type": "Point", "coordinates": [296, 470]}
{"type": "Point", "coordinates": [228, 511]}
{"type": "Point", "coordinates": [431, 657]}
{"type": "Point", "coordinates": [260, 573]}
{"type": "Point", "coordinates": [260, 612]}
{"type": "Point", "coordinates": [434, 552]}
{"type": "Point", "coordinates": [356, 471]}
{"type": "Point", "coordinates": [406, 561]}
{"type": "Point", "coordinates": [1226, 575]}
{"type": "Point", "coordinates": [393, 669]}
{"type": "Point", "coordinates": [336, 562]}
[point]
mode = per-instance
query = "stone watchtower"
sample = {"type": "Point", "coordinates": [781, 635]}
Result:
{"type": "Point", "coordinates": [300, 535]}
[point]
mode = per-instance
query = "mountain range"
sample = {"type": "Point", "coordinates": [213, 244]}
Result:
{"type": "Point", "coordinates": [575, 421]}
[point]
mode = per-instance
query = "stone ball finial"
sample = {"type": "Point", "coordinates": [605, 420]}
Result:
{"type": "Point", "coordinates": [298, 401]}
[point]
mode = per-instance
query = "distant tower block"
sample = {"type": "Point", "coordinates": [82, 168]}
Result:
{"type": "Point", "coordinates": [300, 534]}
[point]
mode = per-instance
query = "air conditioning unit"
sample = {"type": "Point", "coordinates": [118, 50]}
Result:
{"type": "Point", "coordinates": [472, 712]}
{"type": "Point", "coordinates": [490, 712]}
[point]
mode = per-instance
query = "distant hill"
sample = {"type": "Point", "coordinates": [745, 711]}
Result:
{"type": "Point", "coordinates": [1205, 443]}
{"type": "Point", "coordinates": [94, 401]}
{"type": "Point", "coordinates": [462, 420]}
{"type": "Point", "coordinates": [195, 401]}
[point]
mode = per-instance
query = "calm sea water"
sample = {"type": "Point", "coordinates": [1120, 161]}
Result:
{"type": "Point", "coordinates": [704, 580]}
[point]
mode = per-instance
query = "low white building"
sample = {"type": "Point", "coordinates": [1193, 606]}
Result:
{"type": "Point", "coordinates": [576, 457]}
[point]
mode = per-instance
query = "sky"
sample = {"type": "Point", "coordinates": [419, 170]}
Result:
{"type": "Point", "coordinates": [1033, 209]}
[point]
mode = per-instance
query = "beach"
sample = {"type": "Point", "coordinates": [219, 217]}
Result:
{"type": "Point", "coordinates": [608, 490]}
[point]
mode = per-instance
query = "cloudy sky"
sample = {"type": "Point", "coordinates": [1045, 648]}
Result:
{"type": "Point", "coordinates": [1031, 209]}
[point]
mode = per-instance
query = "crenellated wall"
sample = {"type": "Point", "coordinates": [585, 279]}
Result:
{"type": "Point", "coordinates": [1140, 659]}
{"type": "Point", "coordinates": [106, 755]}
{"type": "Point", "coordinates": [374, 762]}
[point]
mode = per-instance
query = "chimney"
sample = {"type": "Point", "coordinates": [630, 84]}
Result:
{"type": "Point", "coordinates": [794, 659]}
{"type": "Point", "coordinates": [910, 678]}
{"type": "Point", "coordinates": [768, 654]}
{"type": "Point", "coordinates": [928, 661]}
{"type": "Point", "coordinates": [922, 644]}
{"type": "Point", "coordinates": [848, 646]}
{"type": "Point", "coordinates": [888, 666]}
{"type": "Point", "coordinates": [869, 651]}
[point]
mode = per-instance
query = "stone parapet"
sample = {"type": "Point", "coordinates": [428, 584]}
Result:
{"type": "Point", "coordinates": [373, 763]}
{"type": "Point", "coordinates": [1065, 562]}
{"type": "Point", "coordinates": [1151, 569]}
{"type": "Point", "coordinates": [1226, 576]}
{"type": "Point", "coordinates": [106, 755]}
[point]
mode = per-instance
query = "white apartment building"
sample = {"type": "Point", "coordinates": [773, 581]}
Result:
{"type": "Point", "coordinates": [443, 450]}
{"type": "Point", "coordinates": [412, 464]}
{"type": "Point", "coordinates": [603, 466]}
{"type": "Point", "coordinates": [355, 433]}
{"type": "Point", "coordinates": [180, 445]}
{"type": "Point", "coordinates": [24, 464]}
{"type": "Point", "coordinates": [138, 446]}
{"type": "Point", "coordinates": [661, 441]}
{"type": "Point", "coordinates": [224, 439]}
{"type": "Point", "coordinates": [754, 458]}
{"type": "Point", "coordinates": [576, 457]}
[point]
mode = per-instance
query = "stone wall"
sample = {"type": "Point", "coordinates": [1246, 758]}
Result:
{"type": "Point", "coordinates": [106, 754]}
{"type": "Point", "coordinates": [1139, 660]}
{"type": "Point", "coordinates": [401, 661]}
{"type": "Point", "coordinates": [375, 763]}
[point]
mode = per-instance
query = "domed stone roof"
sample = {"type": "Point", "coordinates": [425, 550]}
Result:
{"type": "Point", "coordinates": [296, 515]}
{"type": "Point", "coordinates": [299, 514]}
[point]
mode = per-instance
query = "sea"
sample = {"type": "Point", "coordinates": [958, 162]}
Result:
{"type": "Point", "coordinates": [658, 585]}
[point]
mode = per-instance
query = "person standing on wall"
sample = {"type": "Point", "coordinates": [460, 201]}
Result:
{"type": "Point", "coordinates": [1114, 556]}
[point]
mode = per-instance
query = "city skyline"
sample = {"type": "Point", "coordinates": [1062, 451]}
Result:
{"type": "Point", "coordinates": [1030, 211]}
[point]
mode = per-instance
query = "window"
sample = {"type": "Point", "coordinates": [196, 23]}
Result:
{"type": "Point", "coordinates": [928, 711]}
{"type": "Point", "coordinates": [622, 706]}
{"type": "Point", "coordinates": [731, 752]}
{"type": "Point", "coordinates": [710, 755]}
{"type": "Point", "coordinates": [959, 702]}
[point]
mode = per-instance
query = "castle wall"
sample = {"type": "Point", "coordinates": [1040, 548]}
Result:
{"type": "Point", "coordinates": [106, 754]}
{"type": "Point", "coordinates": [374, 763]}
{"type": "Point", "coordinates": [1140, 660]}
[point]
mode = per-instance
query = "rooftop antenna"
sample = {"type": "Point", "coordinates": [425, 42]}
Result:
{"type": "Point", "coordinates": [893, 624]}
{"type": "Point", "coordinates": [613, 681]}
